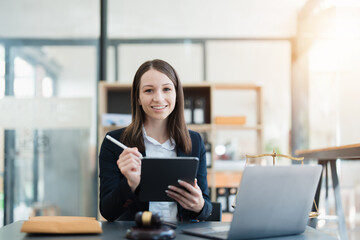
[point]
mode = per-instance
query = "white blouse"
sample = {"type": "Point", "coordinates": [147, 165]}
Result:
{"type": "Point", "coordinates": [168, 210]}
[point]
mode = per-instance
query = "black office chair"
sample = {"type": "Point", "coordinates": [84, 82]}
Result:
{"type": "Point", "coordinates": [216, 212]}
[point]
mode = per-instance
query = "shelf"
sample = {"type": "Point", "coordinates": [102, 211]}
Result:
{"type": "Point", "coordinates": [200, 127]}
{"type": "Point", "coordinates": [111, 86]}
{"type": "Point", "coordinates": [230, 86]}
{"type": "Point", "coordinates": [197, 85]}
{"type": "Point", "coordinates": [236, 127]}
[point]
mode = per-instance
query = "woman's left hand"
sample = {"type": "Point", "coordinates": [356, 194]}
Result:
{"type": "Point", "coordinates": [190, 199]}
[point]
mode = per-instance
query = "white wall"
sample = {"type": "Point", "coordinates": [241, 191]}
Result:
{"type": "Point", "coordinates": [203, 18]}
{"type": "Point", "coordinates": [349, 112]}
{"type": "Point", "coordinates": [334, 92]}
{"type": "Point", "coordinates": [49, 19]}
{"type": "Point", "coordinates": [156, 18]}
{"type": "Point", "coordinates": [186, 59]}
{"type": "Point", "coordinates": [349, 87]}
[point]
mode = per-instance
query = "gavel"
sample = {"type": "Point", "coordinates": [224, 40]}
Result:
{"type": "Point", "coordinates": [150, 226]}
{"type": "Point", "coordinates": [147, 219]}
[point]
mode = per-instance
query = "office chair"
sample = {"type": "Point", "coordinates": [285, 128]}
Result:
{"type": "Point", "coordinates": [216, 212]}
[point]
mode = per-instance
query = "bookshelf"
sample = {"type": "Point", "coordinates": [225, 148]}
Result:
{"type": "Point", "coordinates": [115, 98]}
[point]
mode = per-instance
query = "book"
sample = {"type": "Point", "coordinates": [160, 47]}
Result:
{"type": "Point", "coordinates": [237, 120]}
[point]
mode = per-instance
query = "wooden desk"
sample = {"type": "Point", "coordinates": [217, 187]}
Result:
{"type": "Point", "coordinates": [327, 157]}
{"type": "Point", "coordinates": [117, 230]}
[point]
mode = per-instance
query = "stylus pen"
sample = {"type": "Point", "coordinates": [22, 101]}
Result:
{"type": "Point", "coordinates": [117, 142]}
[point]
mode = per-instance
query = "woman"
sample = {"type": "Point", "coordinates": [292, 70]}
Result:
{"type": "Point", "coordinates": [158, 129]}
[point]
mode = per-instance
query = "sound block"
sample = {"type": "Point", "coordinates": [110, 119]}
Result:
{"type": "Point", "coordinates": [164, 232]}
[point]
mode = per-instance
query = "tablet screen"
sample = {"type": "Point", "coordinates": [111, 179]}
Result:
{"type": "Point", "coordinates": [158, 173]}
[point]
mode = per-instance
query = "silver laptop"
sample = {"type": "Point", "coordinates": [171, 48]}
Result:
{"type": "Point", "coordinates": [272, 201]}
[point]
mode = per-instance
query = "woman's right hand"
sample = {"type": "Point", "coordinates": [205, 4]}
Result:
{"type": "Point", "coordinates": [129, 164]}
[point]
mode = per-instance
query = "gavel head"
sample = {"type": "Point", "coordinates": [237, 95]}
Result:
{"type": "Point", "coordinates": [147, 219]}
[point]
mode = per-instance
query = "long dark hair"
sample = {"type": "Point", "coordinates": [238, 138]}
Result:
{"type": "Point", "coordinates": [133, 135]}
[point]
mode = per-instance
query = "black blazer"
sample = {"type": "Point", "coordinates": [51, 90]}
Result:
{"type": "Point", "coordinates": [117, 202]}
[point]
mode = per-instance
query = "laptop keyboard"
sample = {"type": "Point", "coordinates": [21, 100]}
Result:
{"type": "Point", "coordinates": [218, 229]}
{"type": "Point", "coordinates": [219, 232]}
{"type": "Point", "coordinates": [222, 234]}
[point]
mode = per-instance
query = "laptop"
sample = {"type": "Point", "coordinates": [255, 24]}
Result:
{"type": "Point", "coordinates": [272, 201]}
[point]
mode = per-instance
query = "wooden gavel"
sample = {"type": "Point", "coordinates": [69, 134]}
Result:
{"type": "Point", "coordinates": [147, 219]}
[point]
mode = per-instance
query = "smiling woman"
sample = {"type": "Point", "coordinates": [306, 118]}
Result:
{"type": "Point", "coordinates": [158, 129]}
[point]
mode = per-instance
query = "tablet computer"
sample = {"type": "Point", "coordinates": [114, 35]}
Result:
{"type": "Point", "coordinates": [158, 173]}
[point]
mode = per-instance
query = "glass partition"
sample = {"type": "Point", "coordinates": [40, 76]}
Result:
{"type": "Point", "coordinates": [48, 92]}
{"type": "Point", "coordinates": [2, 94]}
{"type": "Point", "coordinates": [2, 71]}
{"type": "Point", "coordinates": [49, 132]}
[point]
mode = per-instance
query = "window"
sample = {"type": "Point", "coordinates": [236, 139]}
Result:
{"type": "Point", "coordinates": [24, 81]}
{"type": "Point", "coordinates": [47, 87]}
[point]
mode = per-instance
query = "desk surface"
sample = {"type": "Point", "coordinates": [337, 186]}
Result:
{"type": "Point", "coordinates": [117, 230]}
{"type": "Point", "coordinates": [343, 152]}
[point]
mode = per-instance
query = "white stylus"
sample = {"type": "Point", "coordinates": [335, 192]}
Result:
{"type": "Point", "coordinates": [116, 142]}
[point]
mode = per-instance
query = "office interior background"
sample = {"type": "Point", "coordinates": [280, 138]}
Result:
{"type": "Point", "coordinates": [303, 53]}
